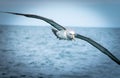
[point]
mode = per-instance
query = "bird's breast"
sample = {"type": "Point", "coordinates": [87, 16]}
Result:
{"type": "Point", "coordinates": [62, 34]}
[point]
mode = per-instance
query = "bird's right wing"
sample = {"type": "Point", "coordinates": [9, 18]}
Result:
{"type": "Point", "coordinates": [54, 24]}
{"type": "Point", "coordinates": [98, 46]}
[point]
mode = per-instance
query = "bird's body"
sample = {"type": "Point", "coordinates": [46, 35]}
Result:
{"type": "Point", "coordinates": [62, 34]}
{"type": "Point", "coordinates": [65, 34]}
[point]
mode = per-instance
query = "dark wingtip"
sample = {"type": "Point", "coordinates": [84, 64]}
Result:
{"type": "Point", "coordinates": [11, 13]}
{"type": "Point", "coordinates": [6, 12]}
{"type": "Point", "coordinates": [119, 63]}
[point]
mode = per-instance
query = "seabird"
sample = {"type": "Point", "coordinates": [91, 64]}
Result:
{"type": "Point", "coordinates": [64, 34]}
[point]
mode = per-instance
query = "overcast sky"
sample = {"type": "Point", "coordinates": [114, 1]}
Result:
{"type": "Point", "coordinates": [84, 13]}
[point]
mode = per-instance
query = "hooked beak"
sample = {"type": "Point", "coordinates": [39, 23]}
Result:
{"type": "Point", "coordinates": [73, 37]}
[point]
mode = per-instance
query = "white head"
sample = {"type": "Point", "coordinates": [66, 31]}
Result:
{"type": "Point", "coordinates": [70, 34]}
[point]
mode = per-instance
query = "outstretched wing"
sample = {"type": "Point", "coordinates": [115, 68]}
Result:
{"type": "Point", "coordinates": [54, 24]}
{"type": "Point", "coordinates": [100, 47]}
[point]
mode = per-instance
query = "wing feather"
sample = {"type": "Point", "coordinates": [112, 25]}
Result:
{"type": "Point", "coordinates": [100, 47]}
{"type": "Point", "coordinates": [51, 22]}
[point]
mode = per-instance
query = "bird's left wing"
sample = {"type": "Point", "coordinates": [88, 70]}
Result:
{"type": "Point", "coordinates": [53, 23]}
{"type": "Point", "coordinates": [98, 46]}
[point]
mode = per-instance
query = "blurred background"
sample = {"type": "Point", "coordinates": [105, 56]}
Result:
{"type": "Point", "coordinates": [29, 49]}
{"type": "Point", "coordinates": [82, 13]}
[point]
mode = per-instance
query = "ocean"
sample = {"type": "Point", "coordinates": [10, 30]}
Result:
{"type": "Point", "coordinates": [34, 52]}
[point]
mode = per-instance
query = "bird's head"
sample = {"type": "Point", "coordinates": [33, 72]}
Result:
{"type": "Point", "coordinates": [71, 34]}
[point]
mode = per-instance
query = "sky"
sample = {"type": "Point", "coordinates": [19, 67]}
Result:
{"type": "Point", "coordinates": [82, 13]}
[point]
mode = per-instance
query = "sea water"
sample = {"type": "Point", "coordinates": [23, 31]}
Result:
{"type": "Point", "coordinates": [34, 52]}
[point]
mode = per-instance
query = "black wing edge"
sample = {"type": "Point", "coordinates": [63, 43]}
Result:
{"type": "Point", "coordinates": [51, 22]}
{"type": "Point", "coordinates": [100, 47]}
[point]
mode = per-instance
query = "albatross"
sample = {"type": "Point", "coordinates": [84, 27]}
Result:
{"type": "Point", "coordinates": [64, 34]}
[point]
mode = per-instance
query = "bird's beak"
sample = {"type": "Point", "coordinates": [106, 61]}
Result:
{"type": "Point", "coordinates": [73, 37]}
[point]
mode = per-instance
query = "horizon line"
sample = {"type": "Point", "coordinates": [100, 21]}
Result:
{"type": "Point", "coordinates": [51, 26]}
